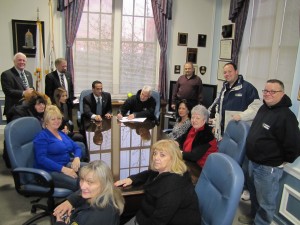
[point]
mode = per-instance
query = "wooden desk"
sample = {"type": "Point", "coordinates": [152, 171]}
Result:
{"type": "Point", "coordinates": [121, 145]}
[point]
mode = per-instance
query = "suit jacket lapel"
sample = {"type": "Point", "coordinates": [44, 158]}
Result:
{"type": "Point", "coordinates": [17, 77]}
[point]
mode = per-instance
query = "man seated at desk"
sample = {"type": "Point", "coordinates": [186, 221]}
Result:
{"type": "Point", "coordinates": [98, 103]}
{"type": "Point", "coordinates": [141, 105]}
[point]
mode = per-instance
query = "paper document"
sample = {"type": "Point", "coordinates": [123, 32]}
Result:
{"type": "Point", "coordinates": [125, 119]}
{"type": "Point", "coordinates": [76, 101]}
{"type": "Point", "coordinates": [228, 117]}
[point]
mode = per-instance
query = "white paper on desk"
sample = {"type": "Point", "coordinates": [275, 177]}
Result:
{"type": "Point", "coordinates": [125, 119]}
{"type": "Point", "coordinates": [76, 101]}
{"type": "Point", "coordinates": [228, 117]}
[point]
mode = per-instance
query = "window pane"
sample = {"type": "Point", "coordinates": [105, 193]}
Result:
{"type": "Point", "coordinates": [94, 26]}
{"type": "Point", "coordinates": [127, 27]}
{"type": "Point", "coordinates": [106, 26]}
{"type": "Point", "coordinates": [127, 7]}
{"type": "Point", "coordinates": [82, 30]}
{"type": "Point", "coordinates": [138, 29]}
{"type": "Point", "coordinates": [139, 8]}
{"type": "Point", "coordinates": [106, 6]}
{"type": "Point", "coordinates": [149, 11]}
{"type": "Point", "coordinates": [94, 5]}
{"type": "Point", "coordinates": [150, 30]}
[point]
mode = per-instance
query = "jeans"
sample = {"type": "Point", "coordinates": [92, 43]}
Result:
{"type": "Point", "coordinates": [62, 180]}
{"type": "Point", "coordinates": [263, 186]}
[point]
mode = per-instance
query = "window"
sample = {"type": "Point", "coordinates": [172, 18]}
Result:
{"type": "Point", "coordinates": [274, 31]}
{"type": "Point", "coordinates": [116, 43]}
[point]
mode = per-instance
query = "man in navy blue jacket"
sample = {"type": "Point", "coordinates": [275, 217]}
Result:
{"type": "Point", "coordinates": [236, 95]}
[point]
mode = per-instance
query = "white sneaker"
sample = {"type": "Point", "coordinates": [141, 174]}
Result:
{"type": "Point", "coordinates": [245, 196]}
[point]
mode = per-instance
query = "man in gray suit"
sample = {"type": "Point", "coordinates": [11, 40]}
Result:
{"type": "Point", "coordinates": [16, 82]}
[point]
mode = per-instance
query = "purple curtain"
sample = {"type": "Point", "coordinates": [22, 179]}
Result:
{"type": "Point", "coordinates": [73, 11]}
{"type": "Point", "coordinates": [238, 14]}
{"type": "Point", "coordinates": [62, 4]}
{"type": "Point", "coordinates": [162, 12]}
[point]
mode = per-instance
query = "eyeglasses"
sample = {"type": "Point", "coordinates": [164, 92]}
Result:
{"type": "Point", "coordinates": [270, 92]}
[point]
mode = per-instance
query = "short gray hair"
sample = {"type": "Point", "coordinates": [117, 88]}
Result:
{"type": "Point", "coordinates": [19, 54]}
{"type": "Point", "coordinates": [148, 89]}
{"type": "Point", "coordinates": [202, 111]}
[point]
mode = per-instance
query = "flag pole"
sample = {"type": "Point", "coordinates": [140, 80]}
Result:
{"type": "Point", "coordinates": [36, 69]}
{"type": "Point", "coordinates": [39, 61]}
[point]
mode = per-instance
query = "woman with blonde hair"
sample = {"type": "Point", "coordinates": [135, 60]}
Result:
{"type": "Point", "coordinates": [99, 201]}
{"type": "Point", "coordinates": [53, 150]}
{"type": "Point", "coordinates": [169, 197]}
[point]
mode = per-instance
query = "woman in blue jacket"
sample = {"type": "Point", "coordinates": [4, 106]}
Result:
{"type": "Point", "coordinates": [54, 150]}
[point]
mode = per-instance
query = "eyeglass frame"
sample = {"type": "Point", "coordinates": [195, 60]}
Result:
{"type": "Point", "coordinates": [270, 92]}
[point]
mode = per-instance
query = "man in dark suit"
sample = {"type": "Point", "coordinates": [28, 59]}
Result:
{"type": "Point", "coordinates": [16, 82]}
{"type": "Point", "coordinates": [97, 104]}
{"type": "Point", "coordinates": [60, 78]}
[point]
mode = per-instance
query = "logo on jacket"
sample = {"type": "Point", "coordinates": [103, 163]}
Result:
{"type": "Point", "coordinates": [266, 126]}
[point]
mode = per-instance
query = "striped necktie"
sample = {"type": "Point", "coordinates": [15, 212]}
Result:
{"type": "Point", "coordinates": [62, 80]}
{"type": "Point", "coordinates": [24, 80]}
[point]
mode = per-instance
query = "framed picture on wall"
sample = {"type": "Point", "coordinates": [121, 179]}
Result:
{"type": "Point", "coordinates": [24, 36]}
{"type": "Point", "coordinates": [182, 39]}
{"type": "Point", "coordinates": [225, 49]}
{"type": "Point", "coordinates": [221, 64]}
{"type": "Point", "coordinates": [177, 69]}
{"type": "Point", "coordinates": [191, 55]}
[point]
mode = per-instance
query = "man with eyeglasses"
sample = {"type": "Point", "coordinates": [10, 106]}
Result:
{"type": "Point", "coordinates": [141, 105]}
{"type": "Point", "coordinates": [273, 140]}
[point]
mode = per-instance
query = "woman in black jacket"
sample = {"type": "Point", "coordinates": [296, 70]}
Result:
{"type": "Point", "coordinates": [170, 197]}
{"type": "Point", "coordinates": [32, 105]}
{"type": "Point", "coordinates": [99, 202]}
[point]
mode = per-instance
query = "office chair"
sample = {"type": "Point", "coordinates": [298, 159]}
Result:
{"type": "Point", "coordinates": [219, 189]}
{"type": "Point", "coordinates": [30, 182]}
{"type": "Point", "coordinates": [80, 112]}
{"type": "Point", "coordinates": [156, 96]}
{"type": "Point", "coordinates": [233, 142]}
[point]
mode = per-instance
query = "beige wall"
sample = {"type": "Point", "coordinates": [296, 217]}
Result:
{"type": "Point", "coordinates": [27, 10]}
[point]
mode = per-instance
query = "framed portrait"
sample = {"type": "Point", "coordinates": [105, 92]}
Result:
{"type": "Point", "coordinates": [201, 40]}
{"type": "Point", "coordinates": [221, 65]}
{"type": "Point", "coordinates": [24, 36]}
{"type": "Point", "coordinates": [182, 39]}
{"type": "Point", "coordinates": [177, 69]}
{"type": "Point", "coordinates": [225, 49]}
{"type": "Point", "coordinates": [191, 55]}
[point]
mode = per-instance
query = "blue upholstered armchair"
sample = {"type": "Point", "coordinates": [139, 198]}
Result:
{"type": "Point", "coordinates": [19, 135]}
{"type": "Point", "coordinates": [80, 112]}
{"type": "Point", "coordinates": [219, 189]}
{"type": "Point", "coordinates": [234, 140]}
